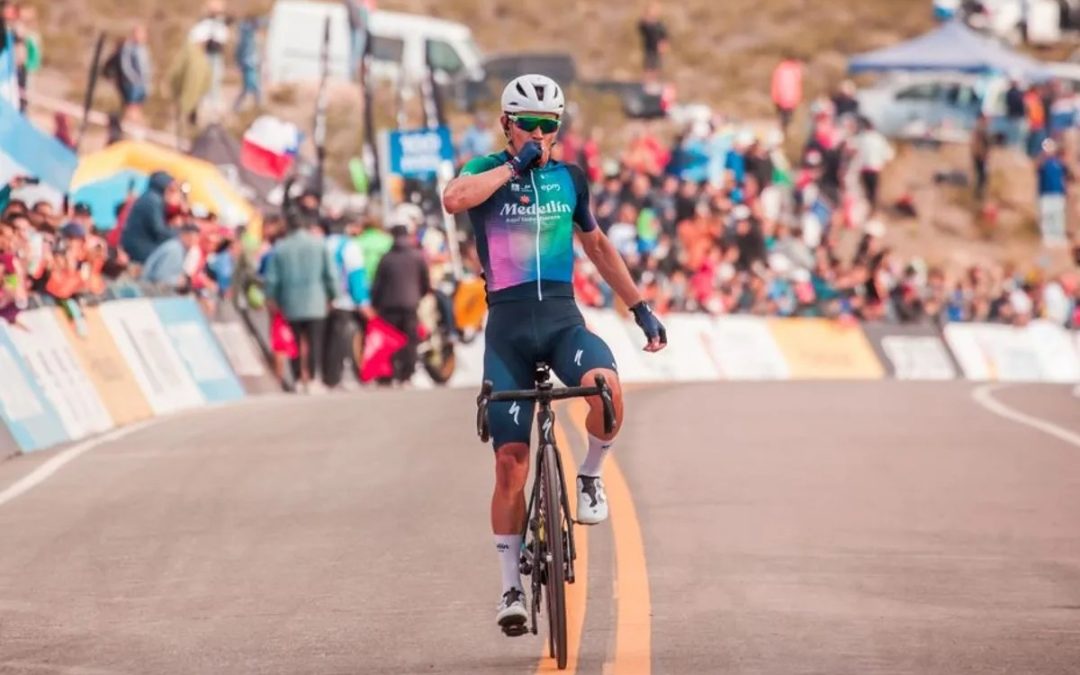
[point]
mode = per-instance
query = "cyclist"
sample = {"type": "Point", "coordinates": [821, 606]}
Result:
{"type": "Point", "coordinates": [523, 207]}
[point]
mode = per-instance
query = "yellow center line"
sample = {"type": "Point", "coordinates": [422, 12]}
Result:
{"type": "Point", "coordinates": [577, 592]}
{"type": "Point", "coordinates": [633, 624]}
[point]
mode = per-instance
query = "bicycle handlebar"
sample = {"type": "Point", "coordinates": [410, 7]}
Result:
{"type": "Point", "coordinates": [545, 396]}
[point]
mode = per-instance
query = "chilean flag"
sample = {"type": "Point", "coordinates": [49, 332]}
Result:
{"type": "Point", "coordinates": [269, 147]}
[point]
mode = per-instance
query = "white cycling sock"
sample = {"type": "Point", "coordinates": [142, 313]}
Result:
{"type": "Point", "coordinates": [594, 458]}
{"type": "Point", "coordinates": [509, 548]}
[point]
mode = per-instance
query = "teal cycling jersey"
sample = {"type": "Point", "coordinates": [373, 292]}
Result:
{"type": "Point", "coordinates": [525, 230]}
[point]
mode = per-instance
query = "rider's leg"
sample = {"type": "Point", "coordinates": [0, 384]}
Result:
{"type": "Point", "coordinates": [511, 424]}
{"type": "Point", "coordinates": [599, 440]}
{"type": "Point", "coordinates": [579, 356]}
{"type": "Point", "coordinates": [508, 508]}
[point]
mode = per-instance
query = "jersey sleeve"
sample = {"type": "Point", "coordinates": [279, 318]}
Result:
{"type": "Point", "coordinates": [583, 214]}
{"type": "Point", "coordinates": [480, 165]}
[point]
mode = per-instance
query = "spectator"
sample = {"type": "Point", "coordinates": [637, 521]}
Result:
{"type": "Point", "coordinates": [872, 153]}
{"type": "Point", "coordinates": [1053, 174]}
{"type": "Point", "coordinates": [301, 284]}
{"type": "Point", "coordinates": [248, 49]}
{"type": "Point", "coordinates": [12, 55]}
{"type": "Point", "coordinates": [190, 78]}
{"type": "Point", "coordinates": [1036, 120]}
{"type": "Point", "coordinates": [29, 40]}
{"type": "Point", "coordinates": [787, 88]}
{"type": "Point", "coordinates": [13, 290]}
{"type": "Point", "coordinates": [654, 41]}
{"type": "Point", "coordinates": [145, 228]}
{"type": "Point", "coordinates": [374, 242]}
{"type": "Point", "coordinates": [211, 33]}
{"type": "Point", "coordinates": [168, 264]}
{"type": "Point", "coordinates": [401, 281]}
{"type": "Point", "coordinates": [135, 74]}
{"type": "Point", "coordinates": [844, 101]}
{"type": "Point", "coordinates": [980, 153]}
{"type": "Point", "coordinates": [1015, 114]}
{"type": "Point", "coordinates": [351, 307]}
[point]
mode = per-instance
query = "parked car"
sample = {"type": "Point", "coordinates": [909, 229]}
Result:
{"type": "Point", "coordinates": [942, 106]}
{"type": "Point", "coordinates": [401, 45]}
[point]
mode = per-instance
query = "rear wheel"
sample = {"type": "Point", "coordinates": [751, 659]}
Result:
{"type": "Point", "coordinates": [555, 563]}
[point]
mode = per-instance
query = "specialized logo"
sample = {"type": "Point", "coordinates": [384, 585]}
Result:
{"type": "Point", "coordinates": [514, 410]}
{"type": "Point", "coordinates": [551, 186]}
{"type": "Point", "coordinates": [534, 209]}
{"type": "Point", "coordinates": [547, 428]}
{"type": "Point", "coordinates": [577, 357]}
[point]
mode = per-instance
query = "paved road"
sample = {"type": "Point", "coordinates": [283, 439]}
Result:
{"type": "Point", "coordinates": [782, 528]}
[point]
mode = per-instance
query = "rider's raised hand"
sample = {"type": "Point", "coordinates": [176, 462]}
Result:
{"type": "Point", "coordinates": [527, 156]}
{"type": "Point", "coordinates": [654, 331]}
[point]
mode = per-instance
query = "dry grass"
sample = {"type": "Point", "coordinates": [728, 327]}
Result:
{"type": "Point", "coordinates": [722, 52]}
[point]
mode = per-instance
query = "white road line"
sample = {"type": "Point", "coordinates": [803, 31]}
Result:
{"type": "Point", "coordinates": [982, 397]}
{"type": "Point", "coordinates": [50, 467]}
{"type": "Point", "coordinates": [54, 464]}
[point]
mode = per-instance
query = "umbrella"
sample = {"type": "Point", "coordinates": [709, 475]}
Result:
{"type": "Point", "coordinates": [105, 175]}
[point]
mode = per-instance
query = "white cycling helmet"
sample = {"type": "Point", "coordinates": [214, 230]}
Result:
{"type": "Point", "coordinates": [533, 94]}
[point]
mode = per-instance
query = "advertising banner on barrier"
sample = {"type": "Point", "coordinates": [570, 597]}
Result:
{"type": "Point", "coordinates": [190, 334]}
{"type": "Point", "coordinates": [1039, 352]}
{"type": "Point", "coordinates": [27, 413]}
{"type": "Point", "coordinates": [159, 370]}
{"type": "Point", "coordinates": [743, 348]}
{"type": "Point", "coordinates": [105, 366]}
{"type": "Point", "coordinates": [911, 352]}
{"type": "Point", "coordinates": [244, 355]}
{"type": "Point", "coordinates": [993, 352]}
{"type": "Point", "coordinates": [690, 361]}
{"type": "Point", "coordinates": [825, 349]}
{"type": "Point", "coordinates": [53, 363]}
{"type": "Point", "coordinates": [1059, 359]}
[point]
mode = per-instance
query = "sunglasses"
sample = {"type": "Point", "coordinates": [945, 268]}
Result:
{"type": "Point", "coordinates": [530, 123]}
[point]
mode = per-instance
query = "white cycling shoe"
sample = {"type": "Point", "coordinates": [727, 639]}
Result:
{"type": "Point", "coordinates": [592, 507]}
{"type": "Point", "coordinates": [512, 615]}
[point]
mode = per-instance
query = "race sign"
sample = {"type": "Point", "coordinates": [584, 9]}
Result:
{"type": "Point", "coordinates": [419, 153]}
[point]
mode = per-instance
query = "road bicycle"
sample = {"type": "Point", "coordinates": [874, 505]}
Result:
{"type": "Point", "coordinates": [548, 553]}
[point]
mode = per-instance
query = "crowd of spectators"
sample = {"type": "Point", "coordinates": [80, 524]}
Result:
{"type": "Point", "coordinates": [49, 254]}
{"type": "Point", "coordinates": [720, 222]}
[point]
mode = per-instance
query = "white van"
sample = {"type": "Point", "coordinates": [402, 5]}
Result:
{"type": "Point", "coordinates": [399, 48]}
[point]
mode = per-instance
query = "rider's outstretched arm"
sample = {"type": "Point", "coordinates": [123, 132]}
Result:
{"type": "Point", "coordinates": [610, 265]}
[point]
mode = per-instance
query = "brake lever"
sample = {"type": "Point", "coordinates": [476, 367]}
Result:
{"type": "Point", "coordinates": [483, 429]}
{"type": "Point", "coordinates": [608, 404]}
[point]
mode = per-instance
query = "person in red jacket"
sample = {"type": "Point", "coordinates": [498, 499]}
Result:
{"type": "Point", "coordinates": [787, 88]}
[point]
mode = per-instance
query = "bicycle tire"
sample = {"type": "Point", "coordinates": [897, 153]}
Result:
{"type": "Point", "coordinates": [555, 589]}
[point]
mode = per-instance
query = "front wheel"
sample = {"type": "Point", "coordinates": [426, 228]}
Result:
{"type": "Point", "coordinates": [555, 588]}
{"type": "Point", "coordinates": [439, 361]}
